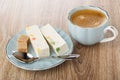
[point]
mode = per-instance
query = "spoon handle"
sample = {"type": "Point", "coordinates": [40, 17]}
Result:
{"type": "Point", "coordinates": [65, 57]}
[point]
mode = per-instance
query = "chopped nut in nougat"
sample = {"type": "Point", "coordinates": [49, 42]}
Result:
{"type": "Point", "coordinates": [22, 47]}
{"type": "Point", "coordinates": [22, 43]}
{"type": "Point", "coordinates": [23, 38]}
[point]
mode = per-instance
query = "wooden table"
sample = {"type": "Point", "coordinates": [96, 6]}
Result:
{"type": "Point", "coordinates": [97, 62]}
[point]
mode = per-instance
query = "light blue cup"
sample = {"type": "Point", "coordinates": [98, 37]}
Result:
{"type": "Point", "coordinates": [89, 36]}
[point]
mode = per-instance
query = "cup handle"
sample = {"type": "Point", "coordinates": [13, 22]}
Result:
{"type": "Point", "coordinates": [114, 32]}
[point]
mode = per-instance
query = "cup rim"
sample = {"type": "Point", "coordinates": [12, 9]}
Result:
{"type": "Point", "coordinates": [106, 14]}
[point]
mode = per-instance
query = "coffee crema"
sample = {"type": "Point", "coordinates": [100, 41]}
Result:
{"type": "Point", "coordinates": [88, 18]}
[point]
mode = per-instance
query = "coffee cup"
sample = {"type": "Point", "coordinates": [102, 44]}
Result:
{"type": "Point", "coordinates": [89, 24]}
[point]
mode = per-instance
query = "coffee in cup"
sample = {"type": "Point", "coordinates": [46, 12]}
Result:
{"type": "Point", "coordinates": [89, 24]}
{"type": "Point", "coordinates": [88, 18]}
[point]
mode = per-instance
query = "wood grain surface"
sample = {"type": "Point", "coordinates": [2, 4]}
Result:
{"type": "Point", "coordinates": [97, 62]}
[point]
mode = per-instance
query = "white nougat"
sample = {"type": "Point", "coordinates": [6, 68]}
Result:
{"type": "Point", "coordinates": [39, 44]}
{"type": "Point", "coordinates": [54, 39]}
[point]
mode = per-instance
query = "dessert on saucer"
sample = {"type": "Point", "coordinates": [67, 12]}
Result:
{"type": "Point", "coordinates": [42, 39]}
